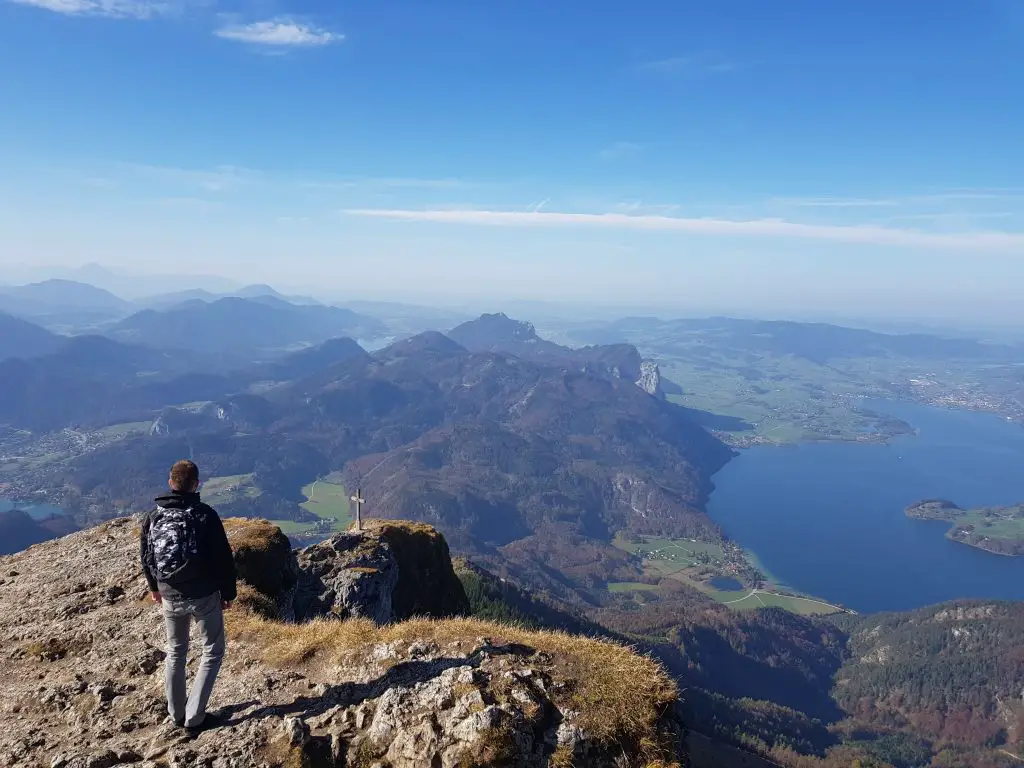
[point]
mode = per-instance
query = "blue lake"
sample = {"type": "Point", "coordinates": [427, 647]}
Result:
{"type": "Point", "coordinates": [36, 511]}
{"type": "Point", "coordinates": [726, 583]}
{"type": "Point", "coordinates": [827, 518]}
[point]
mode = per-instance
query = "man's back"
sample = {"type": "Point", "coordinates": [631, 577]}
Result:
{"type": "Point", "coordinates": [191, 572]}
{"type": "Point", "coordinates": [185, 551]}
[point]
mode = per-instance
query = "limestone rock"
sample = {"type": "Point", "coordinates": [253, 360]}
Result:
{"type": "Point", "coordinates": [83, 683]}
{"type": "Point", "coordinates": [351, 575]}
{"type": "Point", "coordinates": [650, 379]}
{"type": "Point", "coordinates": [265, 561]}
{"type": "Point", "coordinates": [390, 571]}
{"type": "Point", "coordinates": [427, 583]}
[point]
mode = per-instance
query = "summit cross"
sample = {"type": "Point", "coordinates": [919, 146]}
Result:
{"type": "Point", "coordinates": [359, 501]}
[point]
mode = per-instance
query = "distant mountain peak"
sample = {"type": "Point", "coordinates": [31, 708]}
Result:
{"type": "Point", "coordinates": [56, 295]}
{"type": "Point", "coordinates": [258, 289]}
{"type": "Point", "coordinates": [20, 338]}
{"type": "Point", "coordinates": [429, 341]}
{"type": "Point", "coordinates": [514, 330]}
{"type": "Point", "coordinates": [496, 332]}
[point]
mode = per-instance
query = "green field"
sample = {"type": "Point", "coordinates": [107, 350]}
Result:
{"type": "Point", "coordinates": [994, 522]}
{"type": "Point", "coordinates": [994, 529]}
{"type": "Point", "coordinates": [328, 501]}
{"type": "Point", "coordinates": [117, 431]}
{"type": "Point", "coordinates": [753, 599]}
{"type": "Point", "coordinates": [693, 562]}
{"type": "Point", "coordinates": [783, 398]}
{"type": "Point", "coordinates": [291, 527]}
{"type": "Point", "coordinates": [228, 488]}
{"type": "Point", "coordinates": [668, 554]}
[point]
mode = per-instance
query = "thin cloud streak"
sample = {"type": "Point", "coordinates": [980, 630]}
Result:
{"type": "Point", "coordinates": [862, 234]}
{"type": "Point", "coordinates": [117, 9]}
{"type": "Point", "coordinates": [280, 32]}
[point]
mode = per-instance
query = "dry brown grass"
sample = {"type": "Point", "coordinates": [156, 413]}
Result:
{"type": "Point", "coordinates": [262, 554]}
{"type": "Point", "coordinates": [405, 526]}
{"type": "Point", "coordinates": [252, 534]}
{"type": "Point", "coordinates": [621, 696]}
{"type": "Point", "coordinates": [561, 758]}
{"type": "Point", "coordinates": [56, 648]}
{"type": "Point", "coordinates": [252, 601]}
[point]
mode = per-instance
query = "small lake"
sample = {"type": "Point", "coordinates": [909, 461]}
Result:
{"type": "Point", "coordinates": [827, 518]}
{"type": "Point", "coordinates": [35, 511]}
{"type": "Point", "coordinates": [726, 583]}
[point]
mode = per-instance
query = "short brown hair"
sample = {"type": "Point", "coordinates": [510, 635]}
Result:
{"type": "Point", "coordinates": [184, 476]}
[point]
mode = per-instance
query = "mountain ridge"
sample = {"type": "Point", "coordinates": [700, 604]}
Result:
{"type": "Point", "coordinates": [21, 338]}
{"type": "Point", "coordinates": [240, 327]}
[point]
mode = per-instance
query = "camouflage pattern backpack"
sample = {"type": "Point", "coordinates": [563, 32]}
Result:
{"type": "Point", "coordinates": [173, 542]}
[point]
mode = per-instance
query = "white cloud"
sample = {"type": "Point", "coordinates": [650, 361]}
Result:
{"type": "Point", "coordinates": [280, 32]}
{"type": "Point", "coordinates": [119, 9]}
{"type": "Point", "coordinates": [862, 234]}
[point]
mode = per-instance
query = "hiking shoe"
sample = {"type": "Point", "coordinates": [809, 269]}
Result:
{"type": "Point", "coordinates": [211, 721]}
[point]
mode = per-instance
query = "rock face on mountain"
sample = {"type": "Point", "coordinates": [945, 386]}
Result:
{"type": "Point", "coordinates": [650, 379]}
{"type": "Point", "coordinates": [390, 571]}
{"type": "Point", "coordinates": [347, 576]}
{"type": "Point", "coordinates": [500, 333]}
{"type": "Point", "coordinates": [83, 678]}
{"type": "Point", "coordinates": [264, 561]}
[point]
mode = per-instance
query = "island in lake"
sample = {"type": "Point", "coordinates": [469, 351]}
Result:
{"type": "Point", "coordinates": [994, 529]}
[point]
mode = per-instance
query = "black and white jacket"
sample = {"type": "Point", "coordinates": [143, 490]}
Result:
{"type": "Point", "coordinates": [214, 570]}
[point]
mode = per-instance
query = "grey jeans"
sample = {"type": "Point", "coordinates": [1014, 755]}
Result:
{"type": "Point", "coordinates": [209, 618]}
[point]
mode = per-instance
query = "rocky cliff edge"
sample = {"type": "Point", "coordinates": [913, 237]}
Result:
{"type": "Point", "coordinates": [83, 662]}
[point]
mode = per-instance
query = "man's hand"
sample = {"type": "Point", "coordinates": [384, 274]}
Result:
{"type": "Point", "coordinates": [157, 597]}
{"type": "Point", "coordinates": [225, 604]}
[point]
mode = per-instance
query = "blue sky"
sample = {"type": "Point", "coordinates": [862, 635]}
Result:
{"type": "Point", "coordinates": [778, 157]}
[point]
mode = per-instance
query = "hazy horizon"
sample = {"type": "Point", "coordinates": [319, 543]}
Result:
{"type": "Point", "coordinates": [807, 161]}
{"type": "Point", "coordinates": [137, 287]}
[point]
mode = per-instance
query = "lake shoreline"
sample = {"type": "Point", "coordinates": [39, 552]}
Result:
{"type": "Point", "coordinates": [965, 523]}
{"type": "Point", "coordinates": [826, 516]}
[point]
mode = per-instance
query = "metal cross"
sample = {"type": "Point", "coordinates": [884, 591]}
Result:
{"type": "Point", "coordinates": [359, 501]}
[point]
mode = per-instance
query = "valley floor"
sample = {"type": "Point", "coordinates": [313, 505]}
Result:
{"type": "Point", "coordinates": [727, 574]}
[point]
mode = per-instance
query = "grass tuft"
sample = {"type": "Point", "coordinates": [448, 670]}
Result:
{"type": "Point", "coordinates": [252, 601]}
{"type": "Point", "coordinates": [252, 534]}
{"type": "Point", "coordinates": [263, 554]}
{"type": "Point", "coordinates": [621, 696]}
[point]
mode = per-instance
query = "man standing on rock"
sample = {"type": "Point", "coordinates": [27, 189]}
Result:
{"type": "Point", "coordinates": [191, 574]}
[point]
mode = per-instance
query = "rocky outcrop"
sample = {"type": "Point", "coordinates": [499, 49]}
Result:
{"type": "Point", "coordinates": [390, 571]}
{"type": "Point", "coordinates": [650, 379]}
{"type": "Point", "coordinates": [82, 650]}
{"type": "Point", "coordinates": [348, 576]}
{"type": "Point", "coordinates": [265, 562]}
